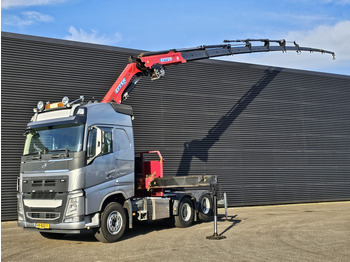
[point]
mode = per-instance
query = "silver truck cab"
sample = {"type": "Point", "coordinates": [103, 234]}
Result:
{"type": "Point", "coordinates": [75, 159]}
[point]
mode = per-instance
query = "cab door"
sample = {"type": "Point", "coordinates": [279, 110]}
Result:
{"type": "Point", "coordinates": [124, 156]}
{"type": "Point", "coordinates": [100, 156]}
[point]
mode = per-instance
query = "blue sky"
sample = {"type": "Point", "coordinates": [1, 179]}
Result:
{"type": "Point", "coordinates": [159, 25]}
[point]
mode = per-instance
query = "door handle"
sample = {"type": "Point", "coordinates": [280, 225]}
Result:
{"type": "Point", "coordinates": [110, 172]}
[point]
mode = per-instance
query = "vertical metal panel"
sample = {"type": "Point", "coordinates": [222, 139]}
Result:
{"type": "Point", "coordinates": [273, 135]}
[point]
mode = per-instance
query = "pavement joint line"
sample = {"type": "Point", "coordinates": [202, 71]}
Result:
{"type": "Point", "coordinates": [290, 205]}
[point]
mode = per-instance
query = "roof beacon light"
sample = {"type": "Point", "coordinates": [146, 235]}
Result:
{"type": "Point", "coordinates": [65, 101]}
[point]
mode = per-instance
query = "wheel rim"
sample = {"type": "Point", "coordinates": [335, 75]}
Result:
{"type": "Point", "coordinates": [205, 205]}
{"type": "Point", "coordinates": [114, 222]}
{"type": "Point", "coordinates": [186, 212]}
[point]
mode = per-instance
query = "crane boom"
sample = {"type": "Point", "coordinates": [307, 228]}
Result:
{"type": "Point", "coordinates": [152, 63]}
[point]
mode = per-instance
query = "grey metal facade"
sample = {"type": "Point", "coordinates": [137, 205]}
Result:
{"type": "Point", "coordinates": [273, 135]}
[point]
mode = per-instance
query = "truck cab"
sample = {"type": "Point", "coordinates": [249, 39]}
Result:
{"type": "Point", "coordinates": [75, 157]}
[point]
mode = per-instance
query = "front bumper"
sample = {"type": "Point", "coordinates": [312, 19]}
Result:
{"type": "Point", "coordinates": [60, 216]}
{"type": "Point", "coordinates": [68, 228]}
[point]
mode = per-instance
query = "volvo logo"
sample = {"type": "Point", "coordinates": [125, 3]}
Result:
{"type": "Point", "coordinates": [46, 164]}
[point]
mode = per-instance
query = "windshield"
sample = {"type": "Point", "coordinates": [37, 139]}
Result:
{"type": "Point", "coordinates": [48, 139]}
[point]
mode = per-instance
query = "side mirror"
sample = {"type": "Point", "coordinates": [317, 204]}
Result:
{"type": "Point", "coordinates": [98, 141]}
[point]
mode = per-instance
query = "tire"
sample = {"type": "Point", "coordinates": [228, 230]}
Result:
{"type": "Point", "coordinates": [113, 223]}
{"type": "Point", "coordinates": [52, 235]}
{"type": "Point", "coordinates": [186, 213]}
{"type": "Point", "coordinates": [205, 210]}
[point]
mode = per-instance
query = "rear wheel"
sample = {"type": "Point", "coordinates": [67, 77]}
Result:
{"type": "Point", "coordinates": [186, 213]}
{"type": "Point", "coordinates": [113, 223]}
{"type": "Point", "coordinates": [205, 207]}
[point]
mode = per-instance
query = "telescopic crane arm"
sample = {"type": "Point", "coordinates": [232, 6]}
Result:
{"type": "Point", "coordinates": [152, 63]}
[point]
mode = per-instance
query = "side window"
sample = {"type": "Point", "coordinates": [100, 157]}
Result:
{"type": "Point", "coordinates": [122, 139]}
{"type": "Point", "coordinates": [107, 141]}
{"type": "Point", "coordinates": [91, 150]}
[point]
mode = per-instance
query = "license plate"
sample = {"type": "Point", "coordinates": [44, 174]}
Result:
{"type": "Point", "coordinates": [42, 225]}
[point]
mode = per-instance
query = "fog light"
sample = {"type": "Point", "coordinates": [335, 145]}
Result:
{"type": "Point", "coordinates": [68, 220]}
{"type": "Point", "coordinates": [71, 220]}
{"type": "Point", "coordinates": [65, 100]}
{"type": "Point", "coordinates": [40, 105]}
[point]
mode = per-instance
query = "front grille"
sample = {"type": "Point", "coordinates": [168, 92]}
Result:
{"type": "Point", "coordinates": [52, 184]}
{"type": "Point", "coordinates": [49, 183]}
{"type": "Point", "coordinates": [40, 188]}
{"type": "Point", "coordinates": [43, 215]}
{"type": "Point", "coordinates": [36, 183]}
{"type": "Point", "coordinates": [44, 195]}
{"type": "Point", "coordinates": [44, 183]}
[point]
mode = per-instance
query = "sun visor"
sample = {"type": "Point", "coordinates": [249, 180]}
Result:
{"type": "Point", "coordinates": [78, 119]}
{"type": "Point", "coordinates": [123, 109]}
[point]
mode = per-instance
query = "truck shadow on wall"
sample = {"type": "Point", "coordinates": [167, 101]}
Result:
{"type": "Point", "coordinates": [199, 148]}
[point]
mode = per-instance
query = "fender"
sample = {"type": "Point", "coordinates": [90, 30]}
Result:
{"type": "Point", "coordinates": [121, 198]}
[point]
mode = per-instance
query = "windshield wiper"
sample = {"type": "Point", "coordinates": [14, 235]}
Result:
{"type": "Point", "coordinates": [60, 150]}
{"type": "Point", "coordinates": [37, 157]}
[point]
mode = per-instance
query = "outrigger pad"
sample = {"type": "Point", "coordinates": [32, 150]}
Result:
{"type": "Point", "coordinates": [215, 237]}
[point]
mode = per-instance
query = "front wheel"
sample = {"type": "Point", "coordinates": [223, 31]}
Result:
{"type": "Point", "coordinates": [186, 213]}
{"type": "Point", "coordinates": [113, 223]}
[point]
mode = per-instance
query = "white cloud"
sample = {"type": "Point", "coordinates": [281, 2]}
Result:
{"type": "Point", "coordinates": [334, 38]}
{"type": "Point", "coordinates": [297, 18]}
{"type": "Point", "coordinates": [26, 18]}
{"type": "Point", "coordinates": [20, 3]}
{"type": "Point", "coordinates": [92, 37]}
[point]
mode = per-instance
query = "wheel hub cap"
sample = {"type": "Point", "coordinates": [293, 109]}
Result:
{"type": "Point", "coordinates": [114, 222]}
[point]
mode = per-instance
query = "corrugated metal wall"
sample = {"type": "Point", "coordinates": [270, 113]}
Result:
{"type": "Point", "coordinates": [272, 135]}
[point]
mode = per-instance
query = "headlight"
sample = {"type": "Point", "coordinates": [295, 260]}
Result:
{"type": "Point", "coordinates": [75, 205]}
{"type": "Point", "coordinates": [72, 206]}
{"type": "Point", "coordinates": [20, 208]}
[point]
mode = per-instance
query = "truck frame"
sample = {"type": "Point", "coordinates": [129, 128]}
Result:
{"type": "Point", "coordinates": [79, 170]}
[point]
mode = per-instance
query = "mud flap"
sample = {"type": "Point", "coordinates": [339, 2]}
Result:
{"type": "Point", "coordinates": [127, 205]}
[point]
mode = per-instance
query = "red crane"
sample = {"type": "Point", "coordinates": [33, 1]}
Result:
{"type": "Point", "coordinates": [152, 63]}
